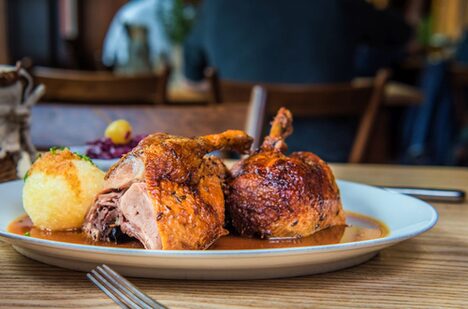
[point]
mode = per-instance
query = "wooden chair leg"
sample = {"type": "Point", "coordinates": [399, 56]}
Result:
{"type": "Point", "coordinates": [368, 118]}
{"type": "Point", "coordinates": [215, 91]}
{"type": "Point", "coordinates": [163, 84]}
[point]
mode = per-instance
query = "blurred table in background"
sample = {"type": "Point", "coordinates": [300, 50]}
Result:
{"type": "Point", "coordinates": [67, 124]}
{"type": "Point", "coordinates": [399, 94]}
{"type": "Point", "coordinates": [75, 124]}
{"type": "Point", "coordinates": [179, 94]}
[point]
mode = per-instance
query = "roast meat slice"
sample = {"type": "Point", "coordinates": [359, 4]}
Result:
{"type": "Point", "coordinates": [140, 219]}
{"type": "Point", "coordinates": [166, 192]}
{"type": "Point", "coordinates": [128, 211]}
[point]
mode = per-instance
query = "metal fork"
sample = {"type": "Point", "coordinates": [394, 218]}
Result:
{"type": "Point", "coordinates": [120, 290]}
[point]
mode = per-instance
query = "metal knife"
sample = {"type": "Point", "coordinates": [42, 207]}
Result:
{"type": "Point", "coordinates": [430, 194]}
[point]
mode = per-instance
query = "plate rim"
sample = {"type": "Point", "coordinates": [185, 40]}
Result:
{"type": "Point", "coordinates": [387, 240]}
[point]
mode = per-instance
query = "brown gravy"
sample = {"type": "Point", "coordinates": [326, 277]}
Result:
{"type": "Point", "coordinates": [359, 228]}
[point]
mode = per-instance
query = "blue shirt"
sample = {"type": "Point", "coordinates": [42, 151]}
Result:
{"type": "Point", "coordinates": [280, 41]}
{"type": "Point", "coordinates": [295, 41]}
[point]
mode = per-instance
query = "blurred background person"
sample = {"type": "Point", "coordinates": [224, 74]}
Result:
{"type": "Point", "coordinates": [300, 42]}
{"type": "Point", "coordinates": [277, 41]}
{"type": "Point", "coordinates": [136, 38]}
{"type": "Point", "coordinates": [281, 41]}
{"type": "Point", "coordinates": [143, 34]}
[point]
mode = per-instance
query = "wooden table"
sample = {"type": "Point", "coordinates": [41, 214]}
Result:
{"type": "Point", "coordinates": [75, 124]}
{"type": "Point", "coordinates": [429, 271]}
{"type": "Point", "coordinates": [66, 124]}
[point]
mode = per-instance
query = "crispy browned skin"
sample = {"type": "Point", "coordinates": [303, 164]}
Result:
{"type": "Point", "coordinates": [185, 186]}
{"type": "Point", "coordinates": [274, 195]}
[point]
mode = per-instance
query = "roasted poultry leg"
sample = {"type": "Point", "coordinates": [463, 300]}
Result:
{"type": "Point", "coordinates": [274, 195]}
{"type": "Point", "coordinates": [166, 192]}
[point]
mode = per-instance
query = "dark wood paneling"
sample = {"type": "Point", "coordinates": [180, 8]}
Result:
{"type": "Point", "coordinates": [94, 20]}
{"type": "Point", "coordinates": [3, 33]}
{"type": "Point", "coordinates": [32, 26]}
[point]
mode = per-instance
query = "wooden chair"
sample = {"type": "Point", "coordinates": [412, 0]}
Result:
{"type": "Point", "coordinates": [362, 99]}
{"type": "Point", "coordinates": [226, 90]}
{"type": "Point", "coordinates": [102, 86]}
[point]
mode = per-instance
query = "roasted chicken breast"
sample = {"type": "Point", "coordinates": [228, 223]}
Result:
{"type": "Point", "coordinates": [166, 193]}
{"type": "Point", "coordinates": [274, 195]}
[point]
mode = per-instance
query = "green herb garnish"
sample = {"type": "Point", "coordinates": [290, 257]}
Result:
{"type": "Point", "coordinates": [53, 150]}
{"type": "Point", "coordinates": [85, 158]}
{"type": "Point", "coordinates": [27, 234]}
{"type": "Point", "coordinates": [26, 176]}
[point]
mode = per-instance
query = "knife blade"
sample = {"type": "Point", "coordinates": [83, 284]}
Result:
{"type": "Point", "coordinates": [430, 194]}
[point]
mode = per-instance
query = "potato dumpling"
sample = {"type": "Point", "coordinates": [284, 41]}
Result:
{"type": "Point", "coordinates": [59, 189]}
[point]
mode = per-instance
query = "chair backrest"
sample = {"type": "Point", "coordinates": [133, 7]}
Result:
{"type": "Point", "coordinates": [102, 86]}
{"type": "Point", "coordinates": [362, 99]}
{"type": "Point", "coordinates": [227, 90]}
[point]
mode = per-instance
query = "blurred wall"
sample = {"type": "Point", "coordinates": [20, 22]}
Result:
{"type": "Point", "coordinates": [449, 17]}
{"type": "Point", "coordinates": [36, 30]}
{"type": "Point", "coordinates": [32, 30]}
{"type": "Point", "coordinates": [94, 20]}
{"type": "Point", "coordinates": [3, 33]}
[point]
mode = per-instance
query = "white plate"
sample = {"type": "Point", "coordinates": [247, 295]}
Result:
{"type": "Point", "coordinates": [405, 217]}
{"type": "Point", "coordinates": [103, 164]}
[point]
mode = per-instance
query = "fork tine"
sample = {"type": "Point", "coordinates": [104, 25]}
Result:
{"type": "Point", "coordinates": [105, 290]}
{"type": "Point", "coordinates": [122, 297]}
{"type": "Point", "coordinates": [108, 276]}
{"type": "Point", "coordinates": [133, 289]}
